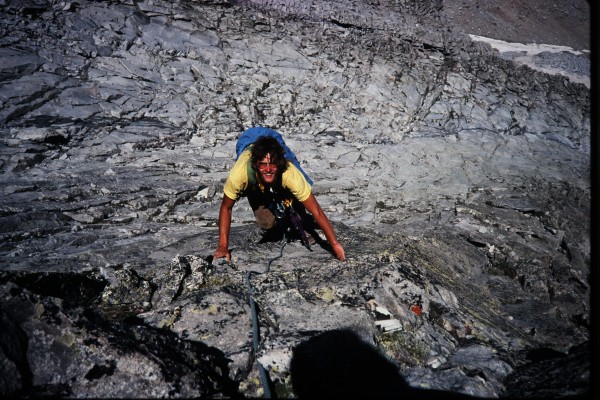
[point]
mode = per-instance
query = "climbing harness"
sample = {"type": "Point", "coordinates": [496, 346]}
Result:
{"type": "Point", "coordinates": [281, 207]}
{"type": "Point", "coordinates": [286, 216]}
{"type": "Point", "coordinates": [296, 223]}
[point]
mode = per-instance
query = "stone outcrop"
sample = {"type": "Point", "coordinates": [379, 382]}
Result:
{"type": "Point", "coordinates": [457, 180]}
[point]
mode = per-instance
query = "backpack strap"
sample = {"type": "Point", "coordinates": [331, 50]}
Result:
{"type": "Point", "coordinates": [251, 175]}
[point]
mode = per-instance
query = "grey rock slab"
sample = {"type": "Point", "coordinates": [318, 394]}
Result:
{"type": "Point", "coordinates": [448, 379]}
{"type": "Point", "coordinates": [100, 358]}
{"type": "Point", "coordinates": [457, 181]}
{"type": "Point", "coordinates": [478, 357]}
{"type": "Point", "coordinates": [293, 313]}
{"type": "Point", "coordinates": [18, 62]}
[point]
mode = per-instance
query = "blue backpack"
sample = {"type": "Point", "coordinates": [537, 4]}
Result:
{"type": "Point", "coordinates": [249, 136]}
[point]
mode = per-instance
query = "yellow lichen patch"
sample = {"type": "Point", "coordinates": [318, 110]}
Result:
{"type": "Point", "coordinates": [169, 320]}
{"type": "Point", "coordinates": [251, 387]}
{"type": "Point", "coordinates": [67, 339]}
{"type": "Point", "coordinates": [403, 347]}
{"type": "Point", "coordinates": [284, 389]}
{"type": "Point", "coordinates": [326, 294]}
{"type": "Point", "coordinates": [213, 309]}
{"type": "Point", "coordinates": [39, 310]}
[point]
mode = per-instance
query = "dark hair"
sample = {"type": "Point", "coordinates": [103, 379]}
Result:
{"type": "Point", "coordinates": [267, 145]}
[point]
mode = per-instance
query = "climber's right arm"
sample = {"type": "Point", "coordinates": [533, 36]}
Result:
{"type": "Point", "coordinates": [224, 225]}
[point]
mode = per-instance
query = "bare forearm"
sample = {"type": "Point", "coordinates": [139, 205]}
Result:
{"type": "Point", "coordinates": [224, 225]}
{"type": "Point", "coordinates": [326, 227]}
{"type": "Point", "coordinates": [317, 212]}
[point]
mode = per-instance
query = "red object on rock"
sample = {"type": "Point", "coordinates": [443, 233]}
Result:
{"type": "Point", "coordinates": [416, 309]}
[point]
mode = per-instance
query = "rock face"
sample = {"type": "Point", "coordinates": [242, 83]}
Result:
{"type": "Point", "coordinates": [457, 181]}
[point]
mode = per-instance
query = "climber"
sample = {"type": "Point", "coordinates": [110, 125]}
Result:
{"type": "Point", "coordinates": [269, 175]}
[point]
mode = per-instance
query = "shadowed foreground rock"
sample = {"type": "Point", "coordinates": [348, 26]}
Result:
{"type": "Point", "coordinates": [191, 333]}
{"type": "Point", "coordinates": [457, 180]}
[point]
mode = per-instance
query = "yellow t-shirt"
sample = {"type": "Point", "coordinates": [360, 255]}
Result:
{"type": "Point", "coordinates": [292, 179]}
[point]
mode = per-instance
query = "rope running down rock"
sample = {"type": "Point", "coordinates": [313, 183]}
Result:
{"type": "Point", "coordinates": [262, 374]}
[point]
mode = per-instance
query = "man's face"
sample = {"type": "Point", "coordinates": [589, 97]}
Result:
{"type": "Point", "coordinates": [267, 170]}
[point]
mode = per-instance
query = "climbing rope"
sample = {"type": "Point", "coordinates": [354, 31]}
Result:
{"type": "Point", "coordinates": [284, 240]}
{"type": "Point", "coordinates": [262, 374]}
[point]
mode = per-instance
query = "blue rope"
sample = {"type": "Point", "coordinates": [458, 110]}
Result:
{"type": "Point", "coordinates": [262, 374]}
{"type": "Point", "coordinates": [279, 256]}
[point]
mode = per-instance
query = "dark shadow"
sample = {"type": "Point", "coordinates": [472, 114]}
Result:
{"type": "Point", "coordinates": [339, 365]}
{"type": "Point", "coordinates": [178, 358]}
{"type": "Point", "coordinates": [274, 234]}
{"type": "Point", "coordinates": [76, 289]}
{"type": "Point", "coordinates": [13, 347]}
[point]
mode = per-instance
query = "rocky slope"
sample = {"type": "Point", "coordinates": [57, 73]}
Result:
{"type": "Point", "coordinates": [458, 182]}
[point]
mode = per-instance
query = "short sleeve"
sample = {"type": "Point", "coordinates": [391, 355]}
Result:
{"type": "Point", "coordinates": [237, 180]}
{"type": "Point", "coordinates": [295, 182]}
